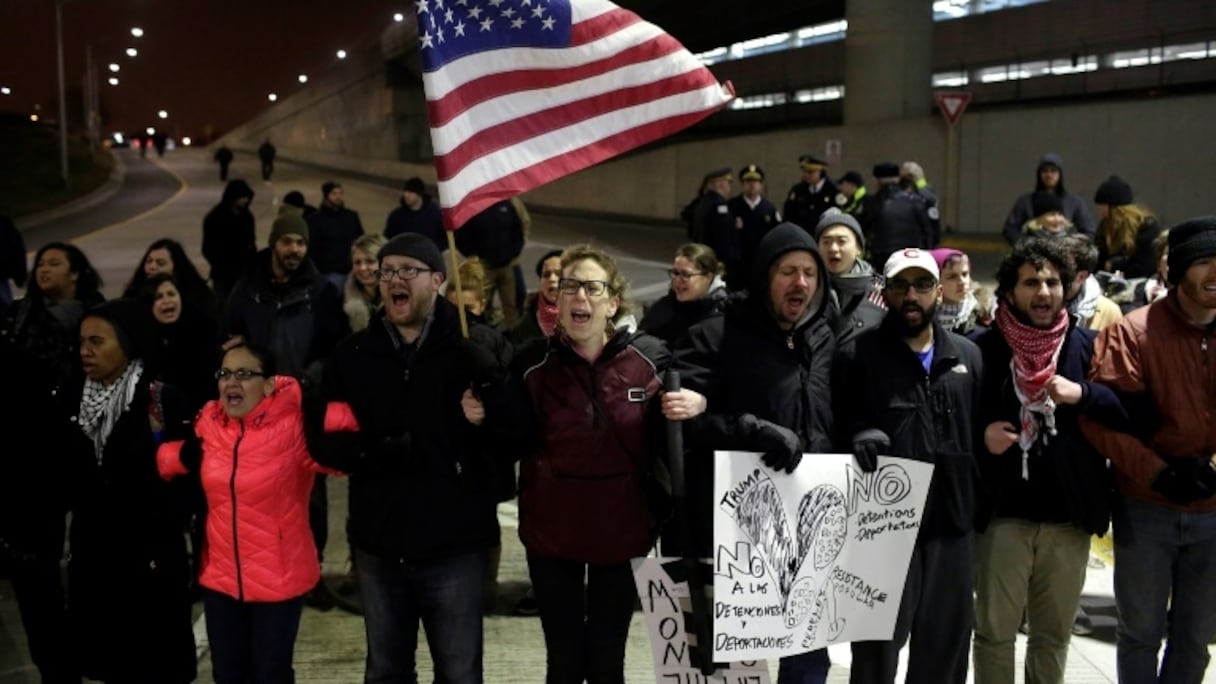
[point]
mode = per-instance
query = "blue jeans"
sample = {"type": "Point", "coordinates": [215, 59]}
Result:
{"type": "Point", "coordinates": [1165, 559]}
{"type": "Point", "coordinates": [446, 595]}
{"type": "Point", "coordinates": [251, 642]}
{"type": "Point", "coordinates": [585, 611]}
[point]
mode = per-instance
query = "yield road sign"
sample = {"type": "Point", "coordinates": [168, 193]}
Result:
{"type": "Point", "coordinates": [952, 103]}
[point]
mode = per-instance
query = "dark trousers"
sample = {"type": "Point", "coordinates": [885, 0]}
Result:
{"type": "Point", "coordinates": [805, 668]}
{"type": "Point", "coordinates": [318, 514]}
{"type": "Point", "coordinates": [251, 643]}
{"type": "Point", "coordinates": [937, 611]}
{"type": "Point", "coordinates": [445, 595]}
{"type": "Point", "coordinates": [584, 612]}
{"type": "Point", "coordinates": [223, 171]}
{"type": "Point", "coordinates": [267, 169]}
{"type": "Point", "coordinates": [38, 586]}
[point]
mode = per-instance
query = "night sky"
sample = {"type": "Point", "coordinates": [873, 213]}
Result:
{"type": "Point", "coordinates": [209, 63]}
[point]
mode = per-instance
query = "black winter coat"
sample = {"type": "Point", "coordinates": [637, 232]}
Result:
{"type": "Point", "coordinates": [1069, 481]}
{"type": "Point", "coordinates": [669, 319]}
{"type": "Point", "coordinates": [881, 384]}
{"type": "Point", "coordinates": [331, 232]}
{"type": "Point", "coordinates": [426, 221]}
{"type": "Point", "coordinates": [229, 237]}
{"type": "Point", "coordinates": [128, 542]}
{"type": "Point", "coordinates": [300, 320]}
{"type": "Point", "coordinates": [747, 366]}
{"type": "Point", "coordinates": [421, 476]}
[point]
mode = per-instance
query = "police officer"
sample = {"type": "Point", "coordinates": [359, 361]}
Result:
{"type": "Point", "coordinates": [895, 216]}
{"type": "Point", "coordinates": [754, 216]}
{"type": "Point", "coordinates": [712, 221]}
{"type": "Point", "coordinates": [852, 187]}
{"type": "Point", "coordinates": [808, 199]}
{"type": "Point", "coordinates": [911, 172]}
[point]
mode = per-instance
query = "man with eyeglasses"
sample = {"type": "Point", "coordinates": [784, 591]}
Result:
{"type": "Point", "coordinates": [764, 366]}
{"type": "Point", "coordinates": [908, 388]}
{"type": "Point", "coordinates": [422, 512]}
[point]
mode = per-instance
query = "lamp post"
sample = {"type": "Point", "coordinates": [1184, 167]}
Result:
{"type": "Point", "coordinates": [92, 94]}
{"type": "Point", "coordinates": [63, 104]}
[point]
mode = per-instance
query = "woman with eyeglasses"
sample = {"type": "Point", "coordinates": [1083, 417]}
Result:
{"type": "Point", "coordinates": [250, 453]}
{"type": "Point", "coordinates": [697, 291]}
{"type": "Point", "coordinates": [593, 429]}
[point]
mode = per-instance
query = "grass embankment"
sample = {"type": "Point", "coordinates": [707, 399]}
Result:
{"type": "Point", "coordinates": [30, 178]}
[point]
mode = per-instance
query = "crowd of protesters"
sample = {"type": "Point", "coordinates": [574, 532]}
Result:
{"type": "Point", "coordinates": [188, 426]}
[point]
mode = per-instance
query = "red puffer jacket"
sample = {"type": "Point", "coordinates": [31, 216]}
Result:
{"type": "Point", "coordinates": [257, 476]}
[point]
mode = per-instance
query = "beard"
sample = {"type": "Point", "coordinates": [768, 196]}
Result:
{"type": "Point", "coordinates": [909, 330]}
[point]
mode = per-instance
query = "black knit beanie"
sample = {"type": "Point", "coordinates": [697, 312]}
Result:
{"type": "Point", "coordinates": [1045, 201]}
{"type": "Point", "coordinates": [1190, 241]}
{"type": "Point", "coordinates": [1114, 191]}
{"type": "Point", "coordinates": [414, 246]}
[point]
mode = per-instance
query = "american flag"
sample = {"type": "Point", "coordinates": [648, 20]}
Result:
{"type": "Point", "coordinates": [521, 92]}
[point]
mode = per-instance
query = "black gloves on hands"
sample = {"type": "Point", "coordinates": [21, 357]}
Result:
{"type": "Point", "coordinates": [782, 448]}
{"type": "Point", "coordinates": [191, 455]}
{"type": "Point", "coordinates": [1186, 480]}
{"type": "Point", "coordinates": [382, 453]}
{"type": "Point", "coordinates": [867, 445]}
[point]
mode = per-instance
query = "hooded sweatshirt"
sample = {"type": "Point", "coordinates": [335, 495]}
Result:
{"type": "Point", "coordinates": [1076, 209]}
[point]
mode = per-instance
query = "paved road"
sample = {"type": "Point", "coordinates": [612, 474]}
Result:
{"type": "Point", "coordinates": [168, 198]}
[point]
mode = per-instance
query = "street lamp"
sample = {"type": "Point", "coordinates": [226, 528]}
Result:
{"type": "Point", "coordinates": [272, 97]}
{"type": "Point", "coordinates": [302, 78]}
{"type": "Point", "coordinates": [6, 91]}
{"type": "Point", "coordinates": [163, 114]}
{"type": "Point", "coordinates": [92, 104]}
{"type": "Point", "coordinates": [63, 104]}
{"type": "Point", "coordinates": [341, 54]}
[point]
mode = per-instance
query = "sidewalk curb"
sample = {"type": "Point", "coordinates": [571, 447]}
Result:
{"type": "Point", "coordinates": [113, 184]}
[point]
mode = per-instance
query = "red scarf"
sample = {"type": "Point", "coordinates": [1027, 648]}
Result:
{"type": "Point", "coordinates": [546, 315]}
{"type": "Point", "coordinates": [1035, 353]}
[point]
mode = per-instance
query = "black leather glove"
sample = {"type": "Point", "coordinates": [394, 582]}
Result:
{"type": "Point", "coordinates": [867, 445]}
{"type": "Point", "coordinates": [384, 452]}
{"type": "Point", "coordinates": [191, 455]}
{"type": "Point", "coordinates": [1179, 482]}
{"type": "Point", "coordinates": [782, 448]}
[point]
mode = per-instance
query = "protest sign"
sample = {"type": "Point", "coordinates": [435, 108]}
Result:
{"type": "Point", "coordinates": [665, 602]}
{"type": "Point", "coordinates": [810, 559]}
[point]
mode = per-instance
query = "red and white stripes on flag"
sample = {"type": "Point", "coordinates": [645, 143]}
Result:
{"type": "Point", "coordinates": [508, 118]}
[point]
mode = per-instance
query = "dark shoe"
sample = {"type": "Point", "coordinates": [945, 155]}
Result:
{"type": "Point", "coordinates": [319, 598]}
{"type": "Point", "coordinates": [527, 604]}
{"type": "Point", "coordinates": [348, 585]}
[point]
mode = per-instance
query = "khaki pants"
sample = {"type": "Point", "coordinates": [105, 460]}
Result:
{"type": "Point", "coordinates": [1035, 567]}
{"type": "Point", "coordinates": [502, 281]}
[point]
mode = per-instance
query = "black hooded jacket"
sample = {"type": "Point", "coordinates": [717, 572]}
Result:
{"type": "Point", "coordinates": [1076, 210]}
{"type": "Point", "coordinates": [229, 237]}
{"type": "Point", "coordinates": [748, 367]}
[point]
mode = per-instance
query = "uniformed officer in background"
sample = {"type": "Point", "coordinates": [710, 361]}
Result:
{"type": "Point", "coordinates": [712, 221]}
{"type": "Point", "coordinates": [811, 196]}
{"type": "Point", "coordinates": [852, 186]}
{"type": "Point", "coordinates": [754, 216]}
{"type": "Point", "coordinates": [894, 216]}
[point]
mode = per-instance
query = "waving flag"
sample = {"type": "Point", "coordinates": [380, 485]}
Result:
{"type": "Point", "coordinates": [521, 92]}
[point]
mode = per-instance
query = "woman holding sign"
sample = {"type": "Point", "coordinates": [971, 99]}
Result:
{"type": "Point", "coordinates": [587, 494]}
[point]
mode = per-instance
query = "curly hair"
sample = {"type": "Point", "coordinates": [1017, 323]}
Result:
{"type": "Point", "coordinates": [617, 283]}
{"type": "Point", "coordinates": [1038, 252]}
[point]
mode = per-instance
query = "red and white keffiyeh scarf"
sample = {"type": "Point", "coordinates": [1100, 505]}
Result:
{"type": "Point", "coordinates": [546, 315]}
{"type": "Point", "coordinates": [1035, 354]}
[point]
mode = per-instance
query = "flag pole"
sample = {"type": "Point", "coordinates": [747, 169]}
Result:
{"type": "Point", "coordinates": [464, 321]}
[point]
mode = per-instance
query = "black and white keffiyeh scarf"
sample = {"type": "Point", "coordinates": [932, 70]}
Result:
{"type": "Point", "coordinates": [101, 405]}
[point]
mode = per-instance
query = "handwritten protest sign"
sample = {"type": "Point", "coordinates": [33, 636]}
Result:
{"type": "Point", "coordinates": [665, 602]}
{"type": "Point", "coordinates": [814, 558]}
